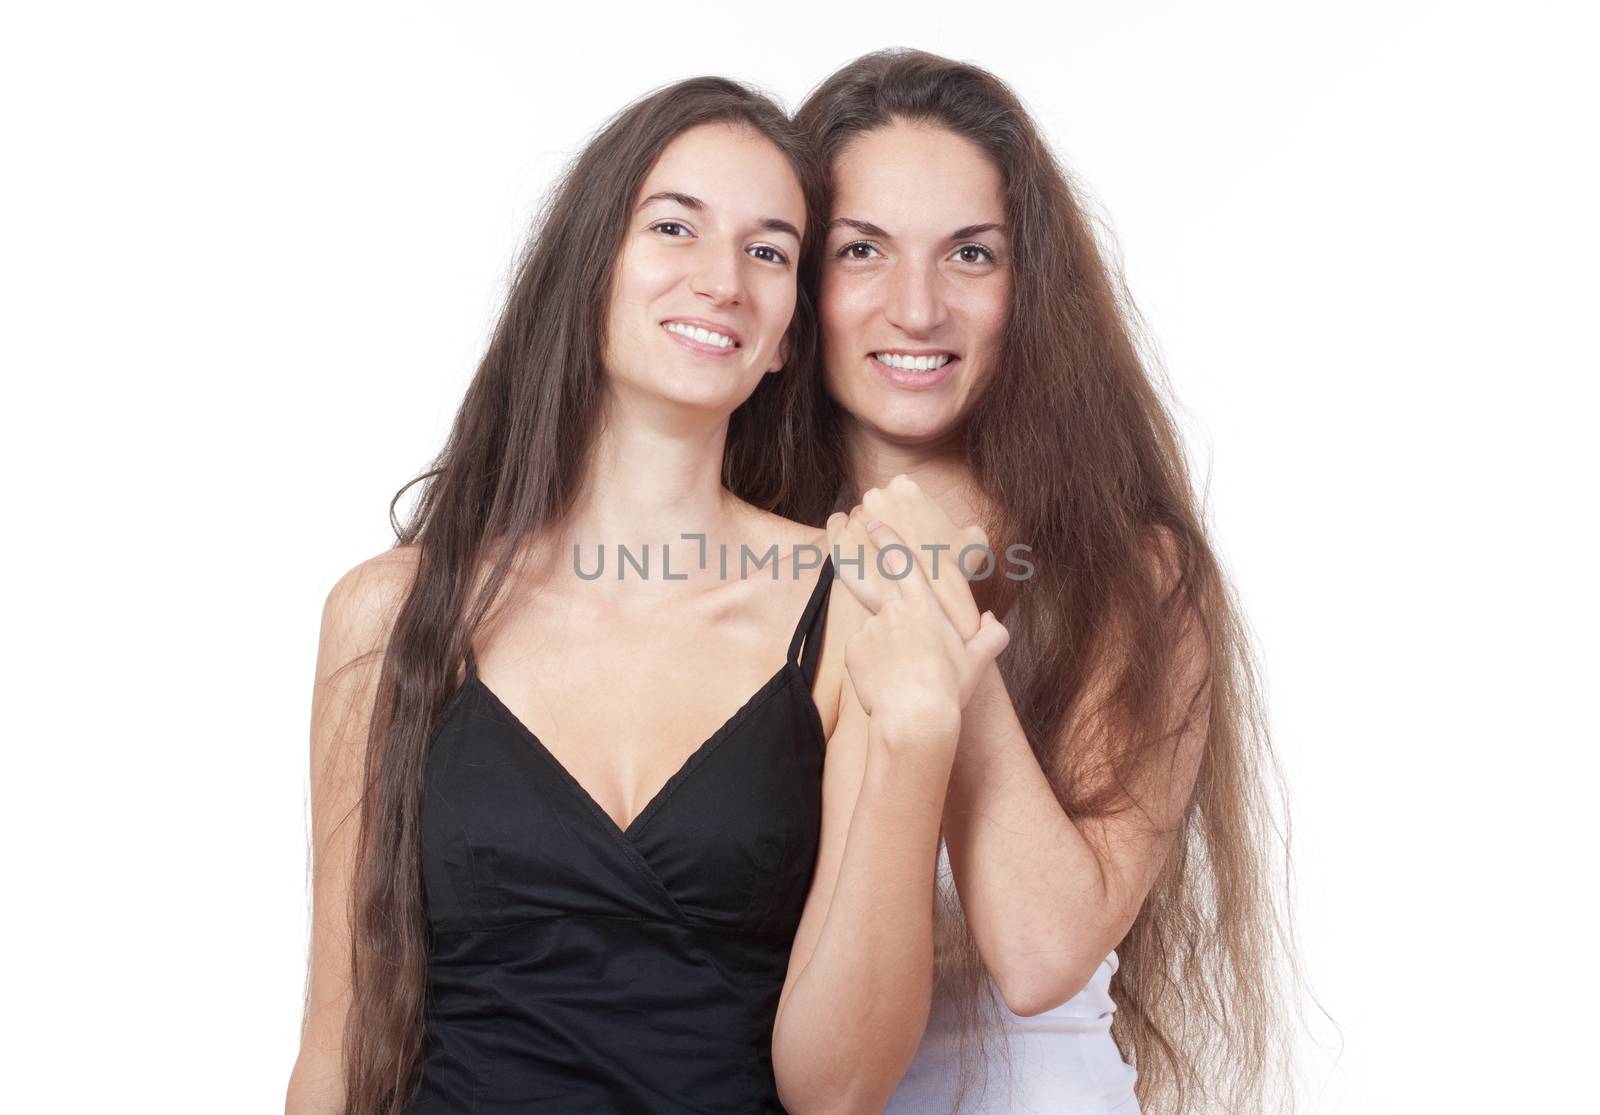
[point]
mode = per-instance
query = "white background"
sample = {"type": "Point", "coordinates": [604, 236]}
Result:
{"type": "Point", "coordinates": [251, 256]}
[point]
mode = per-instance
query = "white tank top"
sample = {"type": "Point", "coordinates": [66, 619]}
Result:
{"type": "Point", "coordinates": [1061, 1061]}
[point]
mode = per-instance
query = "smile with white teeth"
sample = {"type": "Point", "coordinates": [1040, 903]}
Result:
{"type": "Point", "coordinates": [912, 363]}
{"type": "Point", "coordinates": [695, 333]}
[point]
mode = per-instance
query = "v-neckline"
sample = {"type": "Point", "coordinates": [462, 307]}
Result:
{"type": "Point", "coordinates": [660, 797]}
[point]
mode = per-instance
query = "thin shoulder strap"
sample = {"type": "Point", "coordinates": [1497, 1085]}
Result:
{"type": "Point", "coordinates": [809, 631]}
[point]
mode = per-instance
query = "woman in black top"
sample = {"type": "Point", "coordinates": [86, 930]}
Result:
{"type": "Point", "coordinates": [572, 853]}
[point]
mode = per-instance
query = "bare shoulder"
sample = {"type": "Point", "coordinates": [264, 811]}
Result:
{"type": "Point", "coordinates": [362, 606]}
{"type": "Point", "coordinates": [801, 549]}
{"type": "Point", "coordinates": [787, 533]}
{"type": "Point", "coordinates": [845, 615]}
{"type": "Point", "coordinates": [376, 584]}
{"type": "Point", "coordinates": [357, 618]}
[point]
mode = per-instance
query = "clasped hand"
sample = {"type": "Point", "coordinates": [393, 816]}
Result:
{"type": "Point", "coordinates": [922, 651]}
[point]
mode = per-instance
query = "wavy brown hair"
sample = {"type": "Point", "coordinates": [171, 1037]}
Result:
{"type": "Point", "coordinates": [516, 453]}
{"type": "Point", "coordinates": [1076, 454]}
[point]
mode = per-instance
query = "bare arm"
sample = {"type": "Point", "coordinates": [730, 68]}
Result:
{"type": "Point", "coordinates": [356, 619]}
{"type": "Point", "coordinates": [861, 972]}
{"type": "Point", "coordinates": [856, 1000]}
{"type": "Point", "coordinates": [1046, 896]}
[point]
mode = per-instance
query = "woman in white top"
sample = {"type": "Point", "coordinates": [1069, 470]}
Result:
{"type": "Point", "coordinates": [1106, 906]}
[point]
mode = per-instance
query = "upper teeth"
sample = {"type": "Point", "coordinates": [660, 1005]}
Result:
{"type": "Point", "coordinates": [704, 336]}
{"type": "Point", "coordinates": [913, 363]}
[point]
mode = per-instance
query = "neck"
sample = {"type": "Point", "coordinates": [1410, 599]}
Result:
{"type": "Point", "coordinates": [939, 467]}
{"type": "Point", "coordinates": [655, 474]}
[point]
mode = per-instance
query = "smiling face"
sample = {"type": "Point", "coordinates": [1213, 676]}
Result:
{"type": "Point", "coordinates": [705, 287]}
{"type": "Point", "coordinates": [916, 280]}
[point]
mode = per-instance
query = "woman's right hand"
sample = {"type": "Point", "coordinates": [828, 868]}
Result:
{"type": "Point", "coordinates": [922, 525]}
{"type": "Point", "coordinates": [909, 666]}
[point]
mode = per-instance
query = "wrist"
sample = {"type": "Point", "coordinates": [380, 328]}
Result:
{"type": "Point", "coordinates": [990, 688]}
{"type": "Point", "coordinates": [923, 725]}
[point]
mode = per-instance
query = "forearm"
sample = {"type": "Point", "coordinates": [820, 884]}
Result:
{"type": "Point", "coordinates": [316, 1085]}
{"type": "Point", "coordinates": [857, 1012]}
{"type": "Point", "coordinates": [1031, 885]}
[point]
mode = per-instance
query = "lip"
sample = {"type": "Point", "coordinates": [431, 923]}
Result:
{"type": "Point", "coordinates": [914, 381]}
{"type": "Point", "coordinates": [710, 326]}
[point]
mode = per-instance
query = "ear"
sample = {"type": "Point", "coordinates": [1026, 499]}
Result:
{"type": "Point", "coordinates": [783, 355]}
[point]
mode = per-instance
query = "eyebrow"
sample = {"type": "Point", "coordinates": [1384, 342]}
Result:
{"type": "Point", "coordinates": [867, 228]}
{"type": "Point", "coordinates": [775, 224]}
{"type": "Point", "coordinates": [976, 230]}
{"type": "Point", "coordinates": [690, 202]}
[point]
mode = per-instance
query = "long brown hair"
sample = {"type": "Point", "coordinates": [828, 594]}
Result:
{"type": "Point", "coordinates": [515, 456]}
{"type": "Point", "coordinates": [1076, 454]}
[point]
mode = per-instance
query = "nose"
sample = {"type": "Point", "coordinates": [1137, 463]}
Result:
{"type": "Point", "coordinates": [719, 275]}
{"type": "Point", "coordinates": [915, 298]}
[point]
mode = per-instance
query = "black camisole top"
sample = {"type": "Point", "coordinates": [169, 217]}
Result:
{"type": "Point", "coordinates": [577, 967]}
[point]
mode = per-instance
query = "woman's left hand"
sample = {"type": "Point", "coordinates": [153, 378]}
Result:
{"type": "Point", "coordinates": [907, 660]}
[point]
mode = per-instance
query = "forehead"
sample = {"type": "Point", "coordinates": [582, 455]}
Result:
{"type": "Point", "coordinates": [739, 173]}
{"type": "Point", "coordinates": [917, 178]}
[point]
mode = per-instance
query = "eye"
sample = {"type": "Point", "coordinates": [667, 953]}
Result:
{"type": "Point", "coordinates": [772, 254]}
{"type": "Point", "coordinates": [675, 229]}
{"type": "Point", "coordinates": [974, 253]}
{"type": "Point", "coordinates": [857, 249]}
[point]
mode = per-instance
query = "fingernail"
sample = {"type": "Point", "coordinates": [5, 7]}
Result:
{"type": "Point", "coordinates": [872, 524]}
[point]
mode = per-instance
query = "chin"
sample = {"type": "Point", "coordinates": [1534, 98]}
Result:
{"type": "Point", "coordinates": [913, 423]}
{"type": "Point", "coordinates": [699, 394]}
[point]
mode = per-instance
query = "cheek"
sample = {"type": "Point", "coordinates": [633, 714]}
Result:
{"type": "Point", "coordinates": [778, 303]}
{"type": "Point", "coordinates": [843, 305]}
{"type": "Point", "coordinates": [643, 275]}
{"type": "Point", "coordinates": [633, 287]}
{"type": "Point", "coordinates": [987, 314]}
